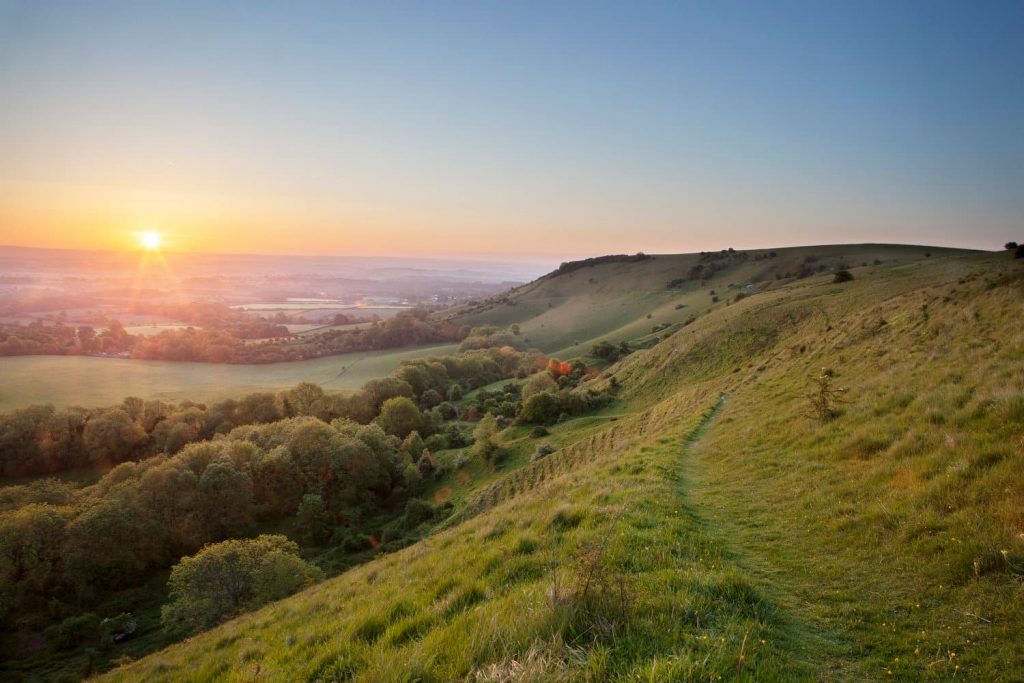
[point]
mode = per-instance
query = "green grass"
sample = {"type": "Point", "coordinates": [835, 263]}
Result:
{"type": "Point", "coordinates": [92, 381]}
{"type": "Point", "coordinates": [565, 315]}
{"type": "Point", "coordinates": [886, 544]}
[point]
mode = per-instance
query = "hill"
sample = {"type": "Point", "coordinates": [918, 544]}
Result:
{"type": "Point", "coordinates": [712, 524]}
{"type": "Point", "coordinates": [622, 298]}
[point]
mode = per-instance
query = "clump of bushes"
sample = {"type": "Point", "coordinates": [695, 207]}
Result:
{"type": "Point", "coordinates": [842, 276]}
{"type": "Point", "coordinates": [543, 451]}
{"type": "Point", "coordinates": [224, 579]}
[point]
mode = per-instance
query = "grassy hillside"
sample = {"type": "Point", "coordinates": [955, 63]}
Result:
{"type": "Point", "coordinates": [715, 529]}
{"type": "Point", "coordinates": [91, 381]}
{"type": "Point", "coordinates": [565, 313]}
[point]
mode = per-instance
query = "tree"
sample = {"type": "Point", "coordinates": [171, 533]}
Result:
{"type": "Point", "coordinates": [225, 499]}
{"type": "Point", "coordinates": [399, 416]}
{"type": "Point", "coordinates": [842, 276]}
{"type": "Point", "coordinates": [226, 578]}
{"type": "Point", "coordinates": [1011, 246]}
{"type": "Point", "coordinates": [540, 408]}
{"type": "Point", "coordinates": [413, 445]}
{"type": "Point", "coordinates": [825, 396]}
{"type": "Point", "coordinates": [485, 439]}
{"type": "Point", "coordinates": [425, 464]}
{"type": "Point", "coordinates": [312, 520]}
{"type": "Point", "coordinates": [536, 383]}
{"type": "Point", "coordinates": [606, 350]}
{"type": "Point", "coordinates": [430, 398]}
{"type": "Point", "coordinates": [112, 436]}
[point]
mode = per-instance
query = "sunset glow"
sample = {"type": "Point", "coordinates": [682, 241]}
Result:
{"type": "Point", "coordinates": [150, 240]}
{"type": "Point", "coordinates": [842, 136]}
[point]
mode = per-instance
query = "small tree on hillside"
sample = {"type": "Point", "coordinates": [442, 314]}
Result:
{"type": "Point", "coordinates": [825, 396]}
{"type": "Point", "coordinates": [842, 276]}
{"type": "Point", "coordinates": [485, 436]}
{"type": "Point", "coordinates": [540, 408]}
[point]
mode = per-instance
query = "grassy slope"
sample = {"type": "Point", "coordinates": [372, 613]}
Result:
{"type": "Point", "coordinates": [565, 315]}
{"type": "Point", "coordinates": [90, 381]}
{"type": "Point", "coordinates": [871, 547]}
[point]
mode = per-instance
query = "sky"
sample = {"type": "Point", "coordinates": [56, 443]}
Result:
{"type": "Point", "coordinates": [513, 129]}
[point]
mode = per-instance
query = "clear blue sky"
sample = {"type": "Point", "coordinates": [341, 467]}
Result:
{"type": "Point", "coordinates": [479, 128]}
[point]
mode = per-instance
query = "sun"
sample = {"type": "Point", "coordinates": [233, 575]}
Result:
{"type": "Point", "coordinates": [150, 240]}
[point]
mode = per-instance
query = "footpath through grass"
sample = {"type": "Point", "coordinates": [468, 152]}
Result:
{"type": "Point", "coordinates": [499, 593]}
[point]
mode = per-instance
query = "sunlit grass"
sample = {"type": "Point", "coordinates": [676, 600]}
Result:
{"type": "Point", "coordinates": [756, 542]}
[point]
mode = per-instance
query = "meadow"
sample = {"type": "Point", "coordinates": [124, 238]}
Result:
{"type": "Point", "coordinates": [93, 381]}
{"type": "Point", "coordinates": [711, 526]}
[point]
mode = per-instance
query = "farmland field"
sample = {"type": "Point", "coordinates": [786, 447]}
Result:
{"type": "Point", "coordinates": [92, 381]}
{"type": "Point", "coordinates": [150, 330]}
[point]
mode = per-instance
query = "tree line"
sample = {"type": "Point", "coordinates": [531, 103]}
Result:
{"type": "Point", "coordinates": [238, 339]}
{"type": "Point", "coordinates": [189, 475]}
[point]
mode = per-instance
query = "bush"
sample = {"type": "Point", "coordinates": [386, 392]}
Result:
{"type": "Point", "coordinates": [842, 276]}
{"type": "Point", "coordinates": [74, 630]}
{"type": "Point", "coordinates": [540, 431]}
{"type": "Point", "coordinates": [485, 439]}
{"type": "Point", "coordinates": [224, 579]}
{"type": "Point", "coordinates": [311, 520]}
{"type": "Point", "coordinates": [400, 416]}
{"type": "Point", "coordinates": [116, 629]}
{"type": "Point", "coordinates": [425, 464]}
{"type": "Point", "coordinates": [540, 408]}
{"type": "Point", "coordinates": [825, 397]}
{"type": "Point", "coordinates": [543, 451]}
{"type": "Point", "coordinates": [417, 512]}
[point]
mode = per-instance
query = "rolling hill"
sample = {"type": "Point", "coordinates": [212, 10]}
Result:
{"type": "Point", "coordinates": [622, 298]}
{"type": "Point", "coordinates": [711, 525]}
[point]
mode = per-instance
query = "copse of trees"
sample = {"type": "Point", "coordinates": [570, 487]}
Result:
{"type": "Point", "coordinates": [489, 336]}
{"type": "Point", "coordinates": [546, 398]}
{"type": "Point", "coordinates": [571, 266]}
{"type": "Point", "coordinates": [41, 440]}
{"type": "Point", "coordinates": [142, 516]}
{"type": "Point", "coordinates": [226, 345]}
{"type": "Point", "coordinates": [39, 338]}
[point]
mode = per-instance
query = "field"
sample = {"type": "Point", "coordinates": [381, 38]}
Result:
{"type": "Point", "coordinates": [150, 330]}
{"type": "Point", "coordinates": [91, 381]}
{"type": "Point", "coordinates": [322, 310]}
{"type": "Point", "coordinates": [711, 526]}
